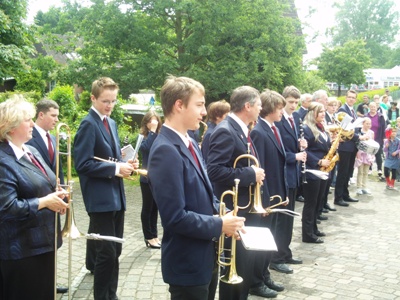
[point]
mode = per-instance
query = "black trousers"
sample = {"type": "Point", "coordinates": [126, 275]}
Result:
{"type": "Point", "coordinates": [106, 268]}
{"type": "Point", "coordinates": [345, 169]}
{"type": "Point", "coordinates": [149, 212]}
{"type": "Point", "coordinates": [283, 231]}
{"type": "Point", "coordinates": [28, 278]}
{"type": "Point", "coordinates": [249, 265]}
{"type": "Point", "coordinates": [313, 191]}
{"type": "Point", "coordinates": [198, 292]}
{"type": "Point", "coordinates": [387, 172]}
{"type": "Point", "coordinates": [378, 159]}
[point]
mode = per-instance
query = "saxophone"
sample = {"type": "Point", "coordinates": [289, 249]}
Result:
{"type": "Point", "coordinates": [332, 154]}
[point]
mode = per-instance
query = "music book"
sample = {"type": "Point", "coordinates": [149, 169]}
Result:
{"type": "Point", "coordinates": [258, 238]}
{"type": "Point", "coordinates": [127, 153]}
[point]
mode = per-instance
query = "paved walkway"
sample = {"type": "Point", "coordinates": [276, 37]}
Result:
{"type": "Point", "coordinates": [360, 258]}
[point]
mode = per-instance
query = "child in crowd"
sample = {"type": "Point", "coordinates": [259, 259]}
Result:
{"type": "Point", "coordinates": [391, 148]}
{"type": "Point", "coordinates": [364, 160]}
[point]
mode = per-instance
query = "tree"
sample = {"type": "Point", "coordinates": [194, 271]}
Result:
{"type": "Point", "coordinates": [373, 21]}
{"type": "Point", "coordinates": [16, 39]}
{"type": "Point", "coordinates": [223, 44]}
{"type": "Point", "coordinates": [344, 64]}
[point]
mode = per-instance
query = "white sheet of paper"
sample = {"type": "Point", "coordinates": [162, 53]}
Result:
{"type": "Point", "coordinates": [258, 238]}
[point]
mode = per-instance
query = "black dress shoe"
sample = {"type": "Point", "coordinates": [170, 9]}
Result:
{"type": "Point", "coordinates": [300, 199]}
{"type": "Point", "coordinates": [320, 233]}
{"type": "Point", "coordinates": [263, 291]}
{"type": "Point", "coordinates": [328, 207]}
{"type": "Point", "coordinates": [273, 285]}
{"type": "Point", "coordinates": [316, 241]}
{"type": "Point", "coordinates": [294, 261]}
{"type": "Point", "coordinates": [325, 210]}
{"type": "Point", "coordinates": [62, 290]}
{"type": "Point", "coordinates": [341, 203]}
{"type": "Point", "coordinates": [349, 199]}
{"type": "Point", "coordinates": [282, 268]}
{"type": "Point", "coordinates": [322, 218]}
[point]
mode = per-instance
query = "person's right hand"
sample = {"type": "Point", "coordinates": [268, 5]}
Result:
{"type": "Point", "coordinates": [125, 169]}
{"type": "Point", "coordinates": [231, 225]}
{"type": "Point", "coordinates": [260, 174]}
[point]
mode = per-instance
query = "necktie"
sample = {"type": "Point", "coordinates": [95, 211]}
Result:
{"type": "Point", "coordinates": [320, 127]}
{"type": "Point", "coordinates": [50, 147]}
{"type": "Point", "coordinates": [353, 114]}
{"type": "Point", "coordinates": [36, 163]}
{"type": "Point", "coordinates": [105, 122]}
{"type": "Point", "coordinates": [191, 149]}
{"type": "Point", "coordinates": [252, 152]}
{"type": "Point", "coordinates": [291, 122]}
{"type": "Point", "coordinates": [277, 136]}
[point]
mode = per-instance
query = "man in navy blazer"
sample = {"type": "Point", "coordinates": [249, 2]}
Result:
{"type": "Point", "coordinates": [101, 183]}
{"type": "Point", "coordinates": [289, 128]}
{"type": "Point", "coordinates": [347, 155]}
{"type": "Point", "coordinates": [184, 195]}
{"type": "Point", "coordinates": [47, 112]}
{"type": "Point", "coordinates": [230, 139]}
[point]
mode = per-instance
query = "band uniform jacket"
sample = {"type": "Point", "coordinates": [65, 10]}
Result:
{"type": "Point", "coordinates": [102, 191]}
{"type": "Point", "coordinates": [37, 142]}
{"type": "Point", "coordinates": [290, 139]}
{"type": "Point", "coordinates": [25, 230]}
{"type": "Point", "coordinates": [348, 146]}
{"type": "Point", "coordinates": [272, 159]}
{"type": "Point", "coordinates": [186, 203]}
{"type": "Point", "coordinates": [316, 150]}
{"type": "Point", "coordinates": [227, 143]}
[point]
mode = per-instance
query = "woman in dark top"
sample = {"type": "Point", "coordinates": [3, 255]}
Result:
{"type": "Point", "coordinates": [319, 144]}
{"type": "Point", "coordinates": [28, 203]}
{"type": "Point", "coordinates": [150, 127]}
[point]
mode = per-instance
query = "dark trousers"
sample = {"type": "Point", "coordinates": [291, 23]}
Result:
{"type": "Point", "coordinates": [249, 266]}
{"type": "Point", "coordinates": [27, 278]}
{"type": "Point", "coordinates": [345, 169]}
{"type": "Point", "coordinates": [106, 268]}
{"type": "Point", "coordinates": [90, 250]}
{"type": "Point", "coordinates": [283, 231]}
{"type": "Point", "coordinates": [313, 191]}
{"type": "Point", "coordinates": [149, 212]}
{"type": "Point", "coordinates": [387, 171]}
{"type": "Point", "coordinates": [198, 292]}
{"type": "Point", "coordinates": [378, 159]}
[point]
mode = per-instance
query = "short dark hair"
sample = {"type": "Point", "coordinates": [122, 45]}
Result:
{"type": "Point", "coordinates": [44, 106]}
{"type": "Point", "coordinates": [270, 101]}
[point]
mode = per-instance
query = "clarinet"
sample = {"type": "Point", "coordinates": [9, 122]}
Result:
{"type": "Point", "coordinates": [303, 165]}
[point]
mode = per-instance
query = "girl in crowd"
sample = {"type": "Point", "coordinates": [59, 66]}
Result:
{"type": "Point", "coordinates": [150, 127]}
{"type": "Point", "coordinates": [391, 148]}
{"type": "Point", "coordinates": [364, 160]}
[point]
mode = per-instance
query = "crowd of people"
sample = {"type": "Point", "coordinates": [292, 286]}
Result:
{"type": "Point", "coordinates": [258, 147]}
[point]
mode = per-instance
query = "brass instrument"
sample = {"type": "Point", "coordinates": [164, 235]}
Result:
{"type": "Point", "coordinates": [342, 135]}
{"type": "Point", "coordinates": [113, 161]}
{"type": "Point", "coordinates": [231, 276]}
{"type": "Point", "coordinates": [70, 229]}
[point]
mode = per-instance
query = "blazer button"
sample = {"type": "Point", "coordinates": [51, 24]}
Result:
{"type": "Point", "coordinates": [214, 239]}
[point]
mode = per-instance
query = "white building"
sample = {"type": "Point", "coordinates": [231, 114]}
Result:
{"type": "Point", "coordinates": [382, 78]}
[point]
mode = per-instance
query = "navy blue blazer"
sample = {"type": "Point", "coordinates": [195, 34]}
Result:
{"type": "Point", "coordinates": [348, 146]}
{"type": "Point", "coordinates": [145, 151]}
{"type": "Point", "coordinates": [290, 139]}
{"type": "Point", "coordinates": [272, 159]}
{"type": "Point", "coordinates": [102, 191]}
{"type": "Point", "coordinates": [205, 144]}
{"type": "Point", "coordinates": [25, 231]}
{"type": "Point", "coordinates": [316, 150]}
{"type": "Point", "coordinates": [301, 112]}
{"type": "Point", "coordinates": [37, 142]}
{"type": "Point", "coordinates": [186, 203]}
{"type": "Point", "coordinates": [227, 142]}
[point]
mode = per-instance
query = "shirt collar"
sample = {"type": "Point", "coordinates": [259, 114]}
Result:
{"type": "Point", "coordinates": [98, 113]}
{"type": "Point", "coordinates": [242, 125]}
{"type": "Point", "coordinates": [17, 151]}
{"type": "Point", "coordinates": [185, 138]}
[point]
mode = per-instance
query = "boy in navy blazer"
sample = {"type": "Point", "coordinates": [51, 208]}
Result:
{"type": "Point", "coordinates": [101, 183]}
{"type": "Point", "coordinates": [184, 195]}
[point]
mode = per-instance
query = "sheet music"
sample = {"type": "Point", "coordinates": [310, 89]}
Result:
{"type": "Point", "coordinates": [258, 238]}
{"type": "Point", "coordinates": [129, 152]}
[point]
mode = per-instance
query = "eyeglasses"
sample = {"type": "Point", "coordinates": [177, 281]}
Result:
{"type": "Point", "coordinates": [108, 102]}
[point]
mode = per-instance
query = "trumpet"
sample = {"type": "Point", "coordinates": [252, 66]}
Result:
{"type": "Point", "coordinates": [205, 127]}
{"type": "Point", "coordinates": [231, 276]}
{"type": "Point", "coordinates": [113, 161]}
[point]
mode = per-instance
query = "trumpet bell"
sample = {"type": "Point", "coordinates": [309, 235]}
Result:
{"type": "Point", "coordinates": [231, 278]}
